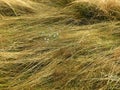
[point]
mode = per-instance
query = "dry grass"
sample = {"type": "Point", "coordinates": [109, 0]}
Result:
{"type": "Point", "coordinates": [95, 9]}
{"type": "Point", "coordinates": [43, 52]}
{"type": "Point", "coordinates": [16, 7]}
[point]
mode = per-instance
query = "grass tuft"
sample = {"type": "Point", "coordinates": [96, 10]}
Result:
{"type": "Point", "coordinates": [107, 10]}
{"type": "Point", "coordinates": [15, 8]}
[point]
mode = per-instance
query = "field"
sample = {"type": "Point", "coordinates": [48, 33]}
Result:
{"type": "Point", "coordinates": [59, 45]}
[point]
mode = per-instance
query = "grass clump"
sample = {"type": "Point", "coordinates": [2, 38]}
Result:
{"type": "Point", "coordinates": [87, 10]}
{"type": "Point", "coordinates": [95, 10]}
{"type": "Point", "coordinates": [15, 8]}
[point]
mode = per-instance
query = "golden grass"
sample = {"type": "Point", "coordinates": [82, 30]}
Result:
{"type": "Point", "coordinates": [15, 7]}
{"type": "Point", "coordinates": [96, 9]}
{"type": "Point", "coordinates": [42, 52]}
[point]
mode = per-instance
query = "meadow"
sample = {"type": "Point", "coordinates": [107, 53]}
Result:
{"type": "Point", "coordinates": [59, 45]}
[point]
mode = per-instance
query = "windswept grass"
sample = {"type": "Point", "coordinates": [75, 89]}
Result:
{"type": "Point", "coordinates": [101, 10]}
{"type": "Point", "coordinates": [91, 10]}
{"type": "Point", "coordinates": [61, 2]}
{"type": "Point", "coordinates": [15, 7]}
{"type": "Point", "coordinates": [46, 50]}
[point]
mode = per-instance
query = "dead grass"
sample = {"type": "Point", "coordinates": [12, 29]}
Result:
{"type": "Point", "coordinates": [15, 8]}
{"type": "Point", "coordinates": [41, 52]}
{"type": "Point", "coordinates": [94, 9]}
